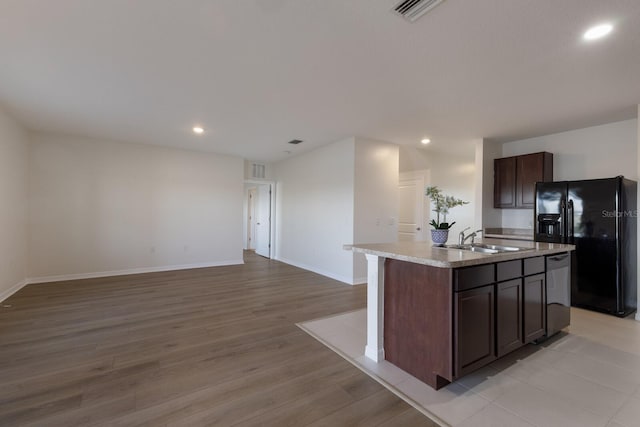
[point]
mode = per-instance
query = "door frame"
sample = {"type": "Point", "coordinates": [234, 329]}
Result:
{"type": "Point", "coordinates": [272, 214]}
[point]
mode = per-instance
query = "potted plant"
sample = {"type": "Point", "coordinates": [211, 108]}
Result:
{"type": "Point", "coordinates": [442, 204]}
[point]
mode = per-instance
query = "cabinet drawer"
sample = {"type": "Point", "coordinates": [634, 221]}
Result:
{"type": "Point", "coordinates": [533, 265]}
{"type": "Point", "coordinates": [472, 277]}
{"type": "Point", "coordinates": [508, 270]}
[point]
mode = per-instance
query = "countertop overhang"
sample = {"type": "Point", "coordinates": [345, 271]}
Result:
{"type": "Point", "coordinates": [428, 254]}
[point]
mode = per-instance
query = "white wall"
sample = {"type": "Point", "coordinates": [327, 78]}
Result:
{"type": "Point", "coordinates": [315, 210]}
{"type": "Point", "coordinates": [454, 174]}
{"type": "Point", "coordinates": [101, 207]}
{"type": "Point", "coordinates": [594, 152]}
{"type": "Point", "coordinates": [13, 206]}
{"type": "Point", "coordinates": [485, 153]}
{"type": "Point", "coordinates": [413, 159]}
{"type": "Point", "coordinates": [376, 201]}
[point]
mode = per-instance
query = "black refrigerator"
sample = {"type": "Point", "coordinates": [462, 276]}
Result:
{"type": "Point", "coordinates": [599, 217]}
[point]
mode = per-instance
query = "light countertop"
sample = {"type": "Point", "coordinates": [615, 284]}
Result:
{"type": "Point", "coordinates": [428, 254]}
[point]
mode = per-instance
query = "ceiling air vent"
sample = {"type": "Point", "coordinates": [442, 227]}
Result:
{"type": "Point", "coordinates": [258, 171]}
{"type": "Point", "coordinates": [295, 141]}
{"type": "Point", "coordinates": [414, 9]}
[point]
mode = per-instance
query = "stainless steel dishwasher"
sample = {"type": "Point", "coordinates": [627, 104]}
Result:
{"type": "Point", "coordinates": [558, 292]}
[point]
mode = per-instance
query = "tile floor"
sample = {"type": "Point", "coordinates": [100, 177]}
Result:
{"type": "Point", "coordinates": [586, 376]}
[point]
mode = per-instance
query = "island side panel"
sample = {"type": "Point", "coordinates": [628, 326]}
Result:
{"type": "Point", "coordinates": [374, 349]}
{"type": "Point", "coordinates": [418, 320]}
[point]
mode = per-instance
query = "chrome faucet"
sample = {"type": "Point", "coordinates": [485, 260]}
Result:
{"type": "Point", "coordinates": [462, 238]}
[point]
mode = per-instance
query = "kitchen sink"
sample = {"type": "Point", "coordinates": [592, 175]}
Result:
{"type": "Point", "coordinates": [501, 248]}
{"type": "Point", "coordinates": [487, 248]}
{"type": "Point", "coordinates": [481, 250]}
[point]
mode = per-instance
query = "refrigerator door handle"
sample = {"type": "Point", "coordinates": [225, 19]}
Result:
{"type": "Point", "coordinates": [570, 215]}
{"type": "Point", "coordinates": [563, 220]}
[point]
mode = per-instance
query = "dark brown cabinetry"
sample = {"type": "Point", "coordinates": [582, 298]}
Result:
{"type": "Point", "coordinates": [474, 329]}
{"type": "Point", "coordinates": [498, 308]}
{"type": "Point", "coordinates": [509, 307]}
{"type": "Point", "coordinates": [515, 178]}
{"type": "Point", "coordinates": [417, 313]}
{"type": "Point", "coordinates": [520, 303]}
{"type": "Point", "coordinates": [442, 323]}
{"type": "Point", "coordinates": [534, 307]}
{"type": "Point", "coordinates": [504, 179]}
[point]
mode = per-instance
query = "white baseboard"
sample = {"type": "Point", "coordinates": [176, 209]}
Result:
{"type": "Point", "coordinates": [12, 290]}
{"type": "Point", "coordinates": [314, 269]}
{"type": "Point", "coordinates": [375, 354]}
{"type": "Point", "coordinates": [65, 277]}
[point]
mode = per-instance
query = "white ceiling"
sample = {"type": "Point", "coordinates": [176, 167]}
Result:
{"type": "Point", "coordinates": [257, 73]}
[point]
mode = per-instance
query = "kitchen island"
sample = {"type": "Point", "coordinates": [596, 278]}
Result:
{"type": "Point", "coordinates": [439, 313]}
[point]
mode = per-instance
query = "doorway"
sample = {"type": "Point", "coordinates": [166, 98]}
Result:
{"type": "Point", "coordinates": [259, 217]}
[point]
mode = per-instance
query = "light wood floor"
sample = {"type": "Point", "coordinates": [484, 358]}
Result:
{"type": "Point", "coordinates": [214, 346]}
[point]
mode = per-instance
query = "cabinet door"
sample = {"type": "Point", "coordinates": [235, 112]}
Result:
{"type": "Point", "coordinates": [509, 307]}
{"type": "Point", "coordinates": [504, 183]}
{"type": "Point", "coordinates": [529, 170]}
{"type": "Point", "coordinates": [474, 329]}
{"type": "Point", "coordinates": [534, 307]}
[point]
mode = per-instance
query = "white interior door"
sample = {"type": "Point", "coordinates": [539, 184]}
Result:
{"type": "Point", "coordinates": [410, 226]}
{"type": "Point", "coordinates": [251, 218]}
{"type": "Point", "coordinates": [263, 221]}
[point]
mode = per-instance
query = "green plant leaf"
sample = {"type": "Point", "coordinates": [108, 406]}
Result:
{"type": "Point", "coordinates": [442, 204]}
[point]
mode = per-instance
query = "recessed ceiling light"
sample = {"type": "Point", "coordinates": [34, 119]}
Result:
{"type": "Point", "coordinates": [426, 141]}
{"type": "Point", "coordinates": [198, 129]}
{"type": "Point", "coordinates": [597, 31]}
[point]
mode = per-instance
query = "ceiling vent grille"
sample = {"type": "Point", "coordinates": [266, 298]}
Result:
{"type": "Point", "coordinates": [414, 9]}
{"type": "Point", "coordinates": [258, 171]}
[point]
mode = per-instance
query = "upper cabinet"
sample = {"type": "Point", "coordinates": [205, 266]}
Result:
{"type": "Point", "coordinates": [504, 183]}
{"type": "Point", "coordinates": [514, 179]}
